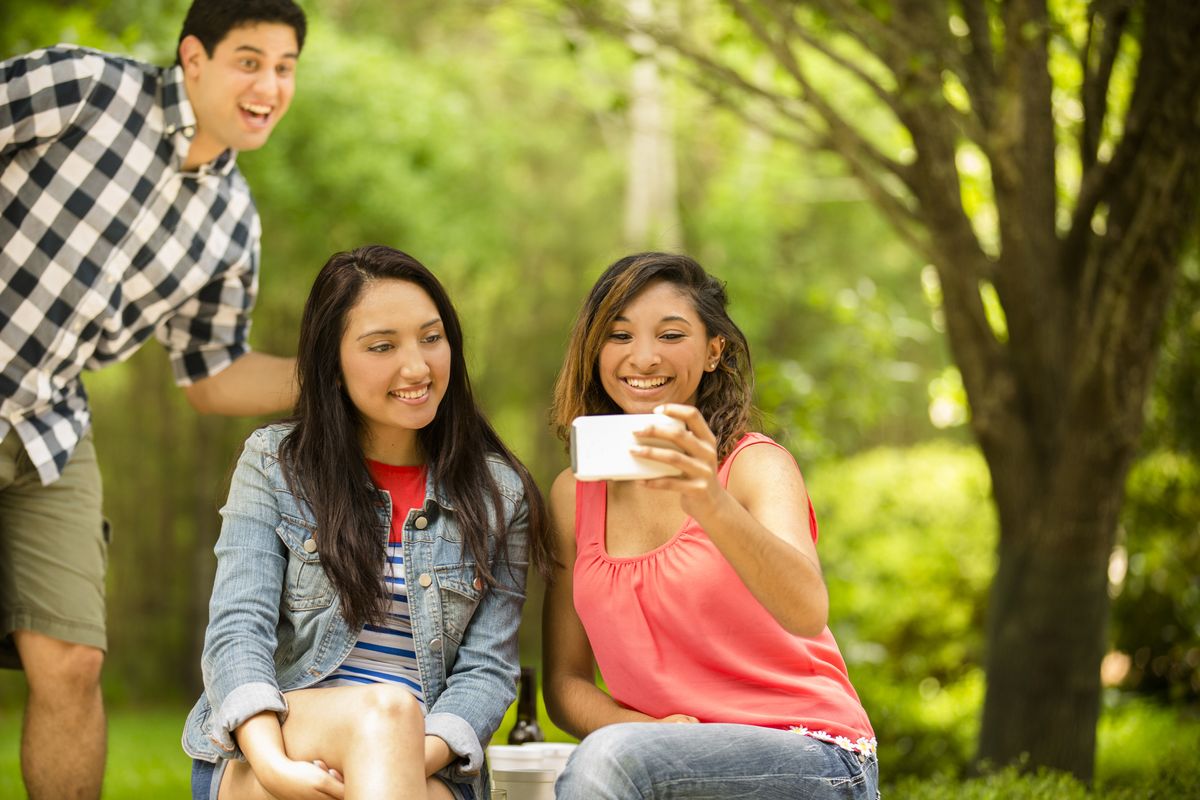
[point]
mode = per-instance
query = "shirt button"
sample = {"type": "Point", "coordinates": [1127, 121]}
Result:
{"type": "Point", "coordinates": [310, 545]}
{"type": "Point", "coordinates": [435, 645]}
{"type": "Point", "coordinates": [110, 278]}
{"type": "Point", "coordinates": [421, 523]}
{"type": "Point", "coordinates": [189, 131]}
{"type": "Point", "coordinates": [425, 580]}
{"type": "Point", "coordinates": [77, 326]}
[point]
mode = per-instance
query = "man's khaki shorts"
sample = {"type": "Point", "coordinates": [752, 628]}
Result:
{"type": "Point", "coordinates": [53, 550]}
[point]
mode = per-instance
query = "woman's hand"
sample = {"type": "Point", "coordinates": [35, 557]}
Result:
{"type": "Point", "coordinates": [762, 522]}
{"type": "Point", "coordinates": [699, 486]}
{"type": "Point", "coordinates": [679, 718]}
{"type": "Point", "coordinates": [261, 740]}
{"type": "Point", "coordinates": [286, 779]}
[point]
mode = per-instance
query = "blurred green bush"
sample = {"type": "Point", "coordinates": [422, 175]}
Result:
{"type": "Point", "coordinates": [908, 547]}
{"type": "Point", "coordinates": [1155, 577]}
{"type": "Point", "coordinates": [1144, 752]}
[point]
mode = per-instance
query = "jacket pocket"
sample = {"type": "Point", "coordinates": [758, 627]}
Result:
{"type": "Point", "coordinates": [459, 595]}
{"type": "Point", "coordinates": [306, 586]}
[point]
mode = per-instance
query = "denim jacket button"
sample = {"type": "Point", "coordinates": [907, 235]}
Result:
{"type": "Point", "coordinates": [478, 584]}
{"type": "Point", "coordinates": [421, 523]}
{"type": "Point", "coordinates": [425, 580]}
{"type": "Point", "coordinates": [435, 645]}
{"type": "Point", "coordinates": [310, 545]}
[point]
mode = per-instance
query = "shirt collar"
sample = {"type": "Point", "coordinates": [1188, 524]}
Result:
{"type": "Point", "coordinates": [177, 109]}
{"type": "Point", "coordinates": [180, 117]}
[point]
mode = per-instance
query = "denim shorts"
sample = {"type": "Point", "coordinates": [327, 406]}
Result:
{"type": "Point", "coordinates": [206, 780]}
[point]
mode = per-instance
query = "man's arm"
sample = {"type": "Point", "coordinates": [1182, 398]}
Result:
{"type": "Point", "coordinates": [254, 384]}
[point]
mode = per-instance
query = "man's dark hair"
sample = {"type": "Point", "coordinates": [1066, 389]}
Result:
{"type": "Point", "coordinates": [210, 21]}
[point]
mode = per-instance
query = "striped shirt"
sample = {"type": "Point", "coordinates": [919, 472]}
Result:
{"type": "Point", "coordinates": [386, 653]}
{"type": "Point", "coordinates": [105, 241]}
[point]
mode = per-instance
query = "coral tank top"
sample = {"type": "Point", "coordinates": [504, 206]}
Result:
{"type": "Point", "coordinates": [675, 631]}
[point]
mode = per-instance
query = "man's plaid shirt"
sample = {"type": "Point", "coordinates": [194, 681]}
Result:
{"type": "Point", "coordinates": [104, 240]}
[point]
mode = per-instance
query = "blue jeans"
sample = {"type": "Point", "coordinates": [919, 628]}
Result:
{"type": "Point", "coordinates": [649, 760]}
{"type": "Point", "coordinates": [206, 778]}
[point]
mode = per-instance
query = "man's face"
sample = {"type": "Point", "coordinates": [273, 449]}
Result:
{"type": "Point", "coordinates": [243, 89]}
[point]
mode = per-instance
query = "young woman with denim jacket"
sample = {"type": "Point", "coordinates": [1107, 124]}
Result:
{"type": "Point", "coordinates": [699, 596]}
{"type": "Point", "coordinates": [301, 561]}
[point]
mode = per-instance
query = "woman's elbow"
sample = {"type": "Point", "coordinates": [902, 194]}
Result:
{"type": "Point", "coordinates": [806, 619]}
{"type": "Point", "coordinates": [552, 694]}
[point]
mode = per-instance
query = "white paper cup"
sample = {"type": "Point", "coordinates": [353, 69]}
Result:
{"type": "Point", "coordinates": [525, 784]}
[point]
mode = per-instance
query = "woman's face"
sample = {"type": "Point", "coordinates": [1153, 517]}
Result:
{"type": "Point", "coordinates": [657, 351]}
{"type": "Point", "coordinates": [395, 366]}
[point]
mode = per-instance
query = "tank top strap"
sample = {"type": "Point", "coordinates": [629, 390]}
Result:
{"type": "Point", "coordinates": [591, 503]}
{"type": "Point", "coordinates": [760, 438]}
{"type": "Point", "coordinates": [746, 440]}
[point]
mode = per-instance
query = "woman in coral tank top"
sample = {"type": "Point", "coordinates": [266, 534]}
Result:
{"type": "Point", "coordinates": [699, 597]}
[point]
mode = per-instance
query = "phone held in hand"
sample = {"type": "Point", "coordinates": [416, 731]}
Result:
{"type": "Point", "coordinates": [600, 447]}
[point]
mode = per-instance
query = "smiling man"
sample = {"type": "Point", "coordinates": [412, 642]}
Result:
{"type": "Point", "coordinates": [122, 215]}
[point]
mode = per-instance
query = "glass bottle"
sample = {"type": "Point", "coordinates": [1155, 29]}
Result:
{"type": "Point", "coordinates": [526, 728]}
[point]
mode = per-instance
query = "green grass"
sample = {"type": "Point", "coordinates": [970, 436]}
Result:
{"type": "Point", "coordinates": [145, 761]}
{"type": "Point", "coordinates": [1143, 751]}
{"type": "Point", "coordinates": [144, 757]}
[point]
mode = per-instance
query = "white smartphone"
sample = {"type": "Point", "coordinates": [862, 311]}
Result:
{"type": "Point", "coordinates": [600, 447]}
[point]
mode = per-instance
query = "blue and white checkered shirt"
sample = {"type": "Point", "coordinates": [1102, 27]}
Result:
{"type": "Point", "coordinates": [105, 240]}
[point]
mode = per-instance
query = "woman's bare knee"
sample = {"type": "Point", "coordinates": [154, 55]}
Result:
{"type": "Point", "coordinates": [332, 724]}
{"type": "Point", "coordinates": [387, 704]}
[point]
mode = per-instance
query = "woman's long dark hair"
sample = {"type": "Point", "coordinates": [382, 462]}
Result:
{"type": "Point", "coordinates": [323, 460]}
{"type": "Point", "coordinates": [724, 395]}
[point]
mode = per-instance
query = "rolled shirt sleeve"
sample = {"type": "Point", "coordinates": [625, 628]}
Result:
{"type": "Point", "coordinates": [211, 329]}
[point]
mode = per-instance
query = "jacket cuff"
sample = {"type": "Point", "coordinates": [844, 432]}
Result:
{"type": "Point", "coordinates": [463, 742]}
{"type": "Point", "coordinates": [240, 705]}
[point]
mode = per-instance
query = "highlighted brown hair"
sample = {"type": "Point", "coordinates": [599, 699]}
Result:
{"type": "Point", "coordinates": [724, 395]}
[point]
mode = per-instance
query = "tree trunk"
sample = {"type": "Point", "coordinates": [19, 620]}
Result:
{"type": "Point", "coordinates": [1047, 619]}
{"type": "Point", "coordinates": [651, 201]}
{"type": "Point", "coordinates": [1059, 476]}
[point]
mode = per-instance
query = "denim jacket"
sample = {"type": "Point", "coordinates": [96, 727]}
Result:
{"type": "Point", "coordinates": [275, 625]}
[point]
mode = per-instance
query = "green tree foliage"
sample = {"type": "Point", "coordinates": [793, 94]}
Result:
{"type": "Point", "coordinates": [487, 140]}
{"type": "Point", "coordinates": [1156, 571]}
{"type": "Point", "coordinates": [1174, 415]}
{"type": "Point", "coordinates": [1044, 157]}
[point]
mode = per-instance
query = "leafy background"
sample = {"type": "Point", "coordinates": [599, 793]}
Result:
{"type": "Point", "coordinates": [489, 140]}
